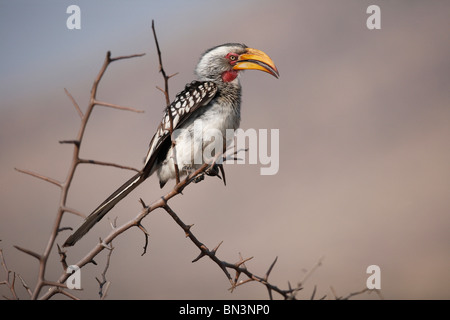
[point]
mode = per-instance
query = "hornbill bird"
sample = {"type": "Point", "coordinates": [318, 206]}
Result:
{"type": "Point", "coordinates": [214, 99]}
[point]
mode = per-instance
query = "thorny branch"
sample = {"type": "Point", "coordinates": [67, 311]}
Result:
{"type": "Point", "coordinates": [65, 185]}
{"type": "Point", "coordinates": [11, 281]}
{"type": "Point", "coordinates": [239, 267]}
{"type": "Point", "coordinates": [104, 284]}
{"type": "Point", "coordinates": [58, 287]}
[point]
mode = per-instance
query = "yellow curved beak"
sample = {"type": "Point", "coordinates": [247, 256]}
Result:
{"type": "Point", "coordinates": [254, 59]}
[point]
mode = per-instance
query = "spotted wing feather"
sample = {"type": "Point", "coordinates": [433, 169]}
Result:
{"type": "Point", "coordinates": [195, 95]}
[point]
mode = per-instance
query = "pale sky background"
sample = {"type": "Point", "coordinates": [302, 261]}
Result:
{"type": "Point", "coordinates": [364, 120]}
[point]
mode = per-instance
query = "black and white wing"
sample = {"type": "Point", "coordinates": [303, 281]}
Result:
{"type": "Point", "coordinates": [195, 95]}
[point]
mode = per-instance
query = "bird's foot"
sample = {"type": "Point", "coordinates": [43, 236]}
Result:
{"type": "Point", "coordinates": [215, 171]}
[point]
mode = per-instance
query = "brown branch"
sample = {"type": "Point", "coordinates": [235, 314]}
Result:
{"type": "Point", "coordinates": [270, 268]}
{"type": "Point", "coordinates": [146, 234]}
{"type": "Point", "coordinates": [161, 68]}
{"type": "Point", "coordinates": [75, 104]}
{"type": "Point", "coordinates": [75, 142]}
{"type": "Point", "coordinates": [73, 211]}
{"type": "Point", "coordinates": [62, 256]}
{"type": "Point", "coordinates": [10, 283]}
{"type": "Point", "coordinates": [166, 94]}
{"type": "Point", "coordinates": [29, 252]}
{"type": "Point", "coordinates": [39, 176]}
{"type": "Point", "coordinates": [307, 275]}
{"type": "Point", "coordinates": [204, 251]}
{"type": "Point", "coordinates": [54, 284]}
{"type": "Point", "coordinates": [116, 106]}
{"type": "Point", "coordinates": [104, 284]}
{"type": "Point", "coordinates": [68, 294]}
{"type": "Point", "coordinates": [357, 293]}
{"type": "Point", "coordinates": [7, 282]}
{"type": "Point", "coordinates": [65, 186]}
{"type": "Point", "coordinates": [137, 55]}
{"type": "Point", "coordinates": [27, 288]}
{"type": "Point", "coordinates": [102, 163]}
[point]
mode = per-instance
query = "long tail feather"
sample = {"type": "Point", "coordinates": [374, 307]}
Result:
{"type": "Point", "coordinates": [104, 208]}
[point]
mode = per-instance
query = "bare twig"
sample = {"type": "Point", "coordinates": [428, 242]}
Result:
{"type": "Point", "coordinates": [352, 294]}
{"type": "Point", "coordinates": [102, 163]}
{"type": "Point", "coordinates": [39, 176]}
{"type": "Point", "coordinates": [137, 55]}
{"type": "Point", "coordinates": [313, 269]}
{"type": "Point", "coordinates": [27, 288]}
{"type": "Point", "coordinates": [68, 294]}
{"type": "Point", "coordinates": [161, 68]}
{"type": "Point", "coordinates": [146, 234]}
{"type": "Point", "coordinates": [8, 282]}
{"type": "Point", "coordinates": [63, 256]}
{"type": "Point", "coordinates": [30, 252]}
{"type": "Point", "coordinates": [166, 94]}
{"type": "Point", "coordinates": [75, 104]}
{"type": "Point", "coordinates": [73, 211]}
{"type": "Point", "coordinates": [115, 106]}
{"type": "Point", "coordinates": [104, 284]}
{"type": "Point", "coordinates": [239, 267]}
{"type": "Point", "coordinates": [75, 142]}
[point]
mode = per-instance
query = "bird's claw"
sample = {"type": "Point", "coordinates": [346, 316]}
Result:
{"type": "Point", "coordinates": [215, 171]}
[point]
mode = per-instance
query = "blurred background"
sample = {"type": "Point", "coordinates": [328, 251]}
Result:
{"type": "Point", "coordinates": [364, 122]}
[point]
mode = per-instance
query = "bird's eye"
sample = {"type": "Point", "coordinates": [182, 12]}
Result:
{"type": "Point", "coordinates": [232, 56]}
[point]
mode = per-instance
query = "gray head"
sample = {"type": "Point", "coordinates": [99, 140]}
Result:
{"type": "Point", "coordinates": [223, 63]}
